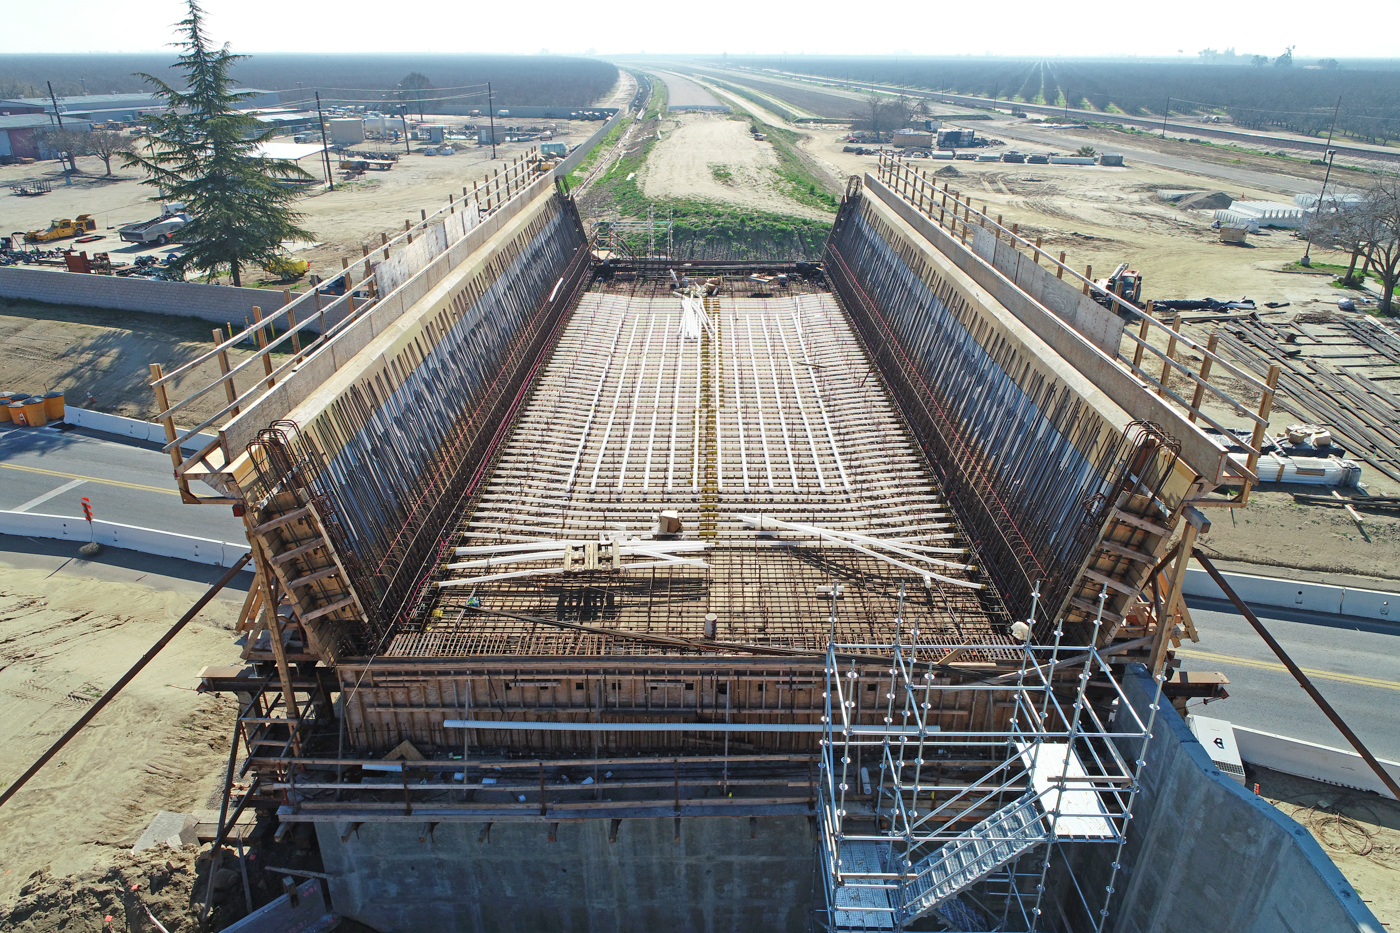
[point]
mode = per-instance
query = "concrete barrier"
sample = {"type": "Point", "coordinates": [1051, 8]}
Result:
{"type": "Point", "coordinates": [1299, 595]}
{"type": "Point", "coordinates": [127, 427]}
{"type": "Point", "coordinates": [132, 538]}
{"type": "Point", "coordinates": [1307, 759]}
{"type": "Point", "coordinates": [574, 158]}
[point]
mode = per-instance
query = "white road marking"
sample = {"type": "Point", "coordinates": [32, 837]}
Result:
{"type": "Point", "coordinates": [40, 500]}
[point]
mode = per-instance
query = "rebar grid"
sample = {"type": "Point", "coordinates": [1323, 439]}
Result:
{"type": "Point", "coordinates": [775, 443]}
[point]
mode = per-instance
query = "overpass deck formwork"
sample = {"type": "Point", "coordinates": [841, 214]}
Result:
{"type": "Point", "coordinates": [555, 547]}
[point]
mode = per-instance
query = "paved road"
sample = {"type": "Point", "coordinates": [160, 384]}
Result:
{"type": "Point", "coordinates": [48, 470]}
{"type": "Point", "coordinates": [1355, 665]}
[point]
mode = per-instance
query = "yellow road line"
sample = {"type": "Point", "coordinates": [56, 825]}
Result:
{"type": "Point", "coordinates": [90, 479]}
{"type": "Point", "coordinates": [1275, 666]}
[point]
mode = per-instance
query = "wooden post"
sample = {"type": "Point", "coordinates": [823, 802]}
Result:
{"type": "Point", "coordinates": [1266, 405]}
{"type": "Point", "coordinates": [274, 630]}
{"type": "Point", "coordinates": [1196, 522]}
{"type": "Point", "coordinates": [1088, 277]}
{"type": "Point", "coordinates": [1036, 254]}
{"type": "Point", "coordinates": [1205, 374]}
{"type": "Point", "coordinates": [451, 205]}
{"type": "Point", "coordinates": [291, 319]}
{"type": "Point", "coordinates": [1060, 269]}
{"type": "Point", "coordinates": [163, 400]}
{"type": "Point", "coordinates": [1171, 349]}
{"type": "Point", "coordinates": [229, 390]}
{"type": "Point", "coordinates": [384, 242]}
{"type": "Point", "coordinates": [262, 346]}
{"type": "Point", "coordinates": [1142, 334]}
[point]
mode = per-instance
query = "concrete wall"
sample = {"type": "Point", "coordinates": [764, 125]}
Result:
{"type": "Point", "coordinates": [579, 154]}
{"type": "Point", "coordinates": [714, 880]}
{"type": "Point", "coordinates": [217, 304]}
{"type": "Point", "coordinates": [1204, 853]}
{"type": "Point", "coordinates": [318, 369]}
{"type": "Point", "coordinates": [1052, 317]}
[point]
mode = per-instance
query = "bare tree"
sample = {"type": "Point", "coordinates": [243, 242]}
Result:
{"type": "Point", "coordinates": [66, 143]}
{"type": "Point", "coordinates": [1381, 211]}
{"type": "Point", "coordinates": [875, 105]}
{"type": "Point", "coordinates": [413, 89]}
{"type": "Point", "coordinates": [105, 144]}
{"type": "Point", "coordinates": [1340, 222]}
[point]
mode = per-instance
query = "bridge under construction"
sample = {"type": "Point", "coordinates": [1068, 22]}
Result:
{"type": "Point", "coordinates": [612, 592]}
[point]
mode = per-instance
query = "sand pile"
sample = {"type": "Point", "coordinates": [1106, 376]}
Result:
{"type": "Point", "coordinates": [123, 885]}
{"type": "Point", "coordinates": [948, 171]}
{"type": "Point", "coordinates": [1205, 201]}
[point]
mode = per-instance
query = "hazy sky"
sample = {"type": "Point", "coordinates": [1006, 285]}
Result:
{"type": "Point", "coordinates": [1011, 27]}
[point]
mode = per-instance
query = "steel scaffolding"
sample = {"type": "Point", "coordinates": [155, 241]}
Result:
{"type": "Point", "coordinates": [974, 825]}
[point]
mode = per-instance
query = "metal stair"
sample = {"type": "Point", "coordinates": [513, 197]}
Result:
{"type": "Point", "coordinates": [971, 856]}
{"type": "Point", "coordinates": [863, 908]}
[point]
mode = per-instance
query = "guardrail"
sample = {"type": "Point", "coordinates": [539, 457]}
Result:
{"type": "Point", "coordinates": [960, 219]}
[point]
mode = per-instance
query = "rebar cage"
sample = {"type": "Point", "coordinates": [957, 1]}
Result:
{"type": "Point", "coordinates": [965, 824]}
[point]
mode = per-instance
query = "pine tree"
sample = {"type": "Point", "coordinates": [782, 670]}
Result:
{"type": "Point", "coordinates": [203, 152]}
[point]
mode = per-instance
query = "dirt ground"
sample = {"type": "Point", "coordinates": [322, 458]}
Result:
{"type": "Point", "coordinates": [697, 151]}
{"type": "Point", "coordinates": [68, 629]}
{"type": "Point", "coordinates": [341, 220]}
{"type": "Point", "coordinates": [1360, 831]}
{"type": "Point", "coordinates": [101, 359]}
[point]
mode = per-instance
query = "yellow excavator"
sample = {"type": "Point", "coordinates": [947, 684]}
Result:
{"type": "Point", "coordinates": [62, 229]}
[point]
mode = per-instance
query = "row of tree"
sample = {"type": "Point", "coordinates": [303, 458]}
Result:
{"type": "Point", "coordinates": [1294, 98]}
{"type": "Point", "coordinates": [522, 80]}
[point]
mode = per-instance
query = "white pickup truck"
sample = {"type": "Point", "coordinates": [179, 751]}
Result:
{"type": "Point", "coordinates": [160, 230]}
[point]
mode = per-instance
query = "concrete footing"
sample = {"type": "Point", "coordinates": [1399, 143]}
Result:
{"type": "Point", "coordinates": [723, 874]}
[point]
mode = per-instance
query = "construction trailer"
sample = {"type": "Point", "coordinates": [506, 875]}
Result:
{"type": "Point", "coordinates": [842, 595]}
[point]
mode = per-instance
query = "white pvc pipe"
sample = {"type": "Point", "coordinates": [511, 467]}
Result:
{"type": "Point", "coordinates": [677, 727]}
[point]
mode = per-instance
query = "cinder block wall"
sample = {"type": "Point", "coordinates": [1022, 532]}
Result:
{"type": "Point", "coordinates": [217, 304]}
{"type": "Point", "coordinates": [716, 878]}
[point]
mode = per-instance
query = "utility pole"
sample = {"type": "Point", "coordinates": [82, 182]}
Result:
{"type": "Point", "coordinates": [491, 115]}
{"type": "Point", "coordinates": [59, 117]}
{"type": "Point", "coordinates": [1306, 261]}
{"type": "Point", "coordinates": [1164, 117]}
{"type": "Point", "coordinates": [325, 149]}
{"type": "Point", "coordinates": [55, 104]}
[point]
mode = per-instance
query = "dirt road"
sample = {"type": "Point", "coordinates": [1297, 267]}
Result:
{"type": "Point", "coordinates": [713, 157]}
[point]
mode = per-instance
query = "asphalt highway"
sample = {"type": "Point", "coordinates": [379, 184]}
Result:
{"type": "Point", "coordinates": [49, 470]}
{"type": "Point", "coordinates": [1354, 664]}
